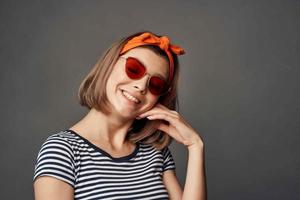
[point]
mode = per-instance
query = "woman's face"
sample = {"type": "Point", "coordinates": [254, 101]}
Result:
{"type": "Point", "coordinates": [118, 82]}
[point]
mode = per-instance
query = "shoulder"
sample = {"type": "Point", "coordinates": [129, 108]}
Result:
{"type": "Point", "coordinates": [64, 136]}
{"type": "Point", "coordinates": [60, 143]}
{"type": "Point", "coordinates": [164, 155]}
{"type": "Point", "coordinates": [165, 151]}
{"type": "Point", "coordinates": [56, 158]}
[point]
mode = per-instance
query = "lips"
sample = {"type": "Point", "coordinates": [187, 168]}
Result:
{"type": "Point", "coordinates": [129, 97]}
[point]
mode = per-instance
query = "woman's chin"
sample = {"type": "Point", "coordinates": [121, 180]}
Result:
{"type": "Point", "coordinates": [127, 115]}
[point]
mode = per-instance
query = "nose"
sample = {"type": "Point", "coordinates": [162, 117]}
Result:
{"type": "Point", "coordinates": [141, 84]}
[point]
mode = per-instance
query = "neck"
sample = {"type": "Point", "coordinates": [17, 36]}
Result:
{"type": "Point", "coordinates": [111, 128]}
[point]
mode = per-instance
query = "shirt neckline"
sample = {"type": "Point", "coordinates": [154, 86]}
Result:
{"type": "Point", "coordinates": [117, 159]}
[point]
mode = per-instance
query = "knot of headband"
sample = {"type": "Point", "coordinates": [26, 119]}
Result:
{"type": "Point", "coordinates": [162, 42]}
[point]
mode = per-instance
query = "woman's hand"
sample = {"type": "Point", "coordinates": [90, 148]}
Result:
{"type": "Point", "coordinates": [177, 128]}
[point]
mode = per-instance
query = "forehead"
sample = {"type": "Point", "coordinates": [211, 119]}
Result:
{"type": "Point", "coordinates": [155, 64]}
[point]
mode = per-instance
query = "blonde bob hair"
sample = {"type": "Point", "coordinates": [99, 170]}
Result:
{"type": "Point", "coordinates": [92, 94]}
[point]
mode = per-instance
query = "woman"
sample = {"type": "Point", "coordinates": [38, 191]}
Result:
{"type": "Point", "coordinates": [119, 150]}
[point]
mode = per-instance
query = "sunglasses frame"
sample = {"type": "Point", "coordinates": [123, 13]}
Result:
{"type": "Point", "coordinates": [148, 82]}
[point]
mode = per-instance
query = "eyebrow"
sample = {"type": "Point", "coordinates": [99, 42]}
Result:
{"type": "Point", "coordinates": [160, 75]}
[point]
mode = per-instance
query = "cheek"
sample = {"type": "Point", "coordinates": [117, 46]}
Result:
{"type": "Point", "coordinates": [152, 101]}
{"type": "Point", "coordinates": [115, 78]}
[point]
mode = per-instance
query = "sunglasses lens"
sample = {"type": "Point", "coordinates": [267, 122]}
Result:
{"type": "Point", "coordinates": [134, 69]}
{"type": "Point", "coordinates": [156, 85]}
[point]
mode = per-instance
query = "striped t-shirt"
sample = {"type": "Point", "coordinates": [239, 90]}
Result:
{"type": "Point", "coordinates": [95, 174]}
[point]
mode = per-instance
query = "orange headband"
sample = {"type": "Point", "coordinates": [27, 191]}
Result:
{"type": "Point", "coordinates": [163, 42]}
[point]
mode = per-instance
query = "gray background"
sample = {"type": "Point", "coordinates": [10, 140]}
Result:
{"type": "Point", "coordinates": [239, 84]}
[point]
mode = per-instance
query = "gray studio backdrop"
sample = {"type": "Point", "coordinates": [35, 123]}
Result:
{"type": "Point", "coordinates": [239, 84]}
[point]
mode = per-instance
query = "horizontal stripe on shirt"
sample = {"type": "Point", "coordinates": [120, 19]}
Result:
{"type": "Point", "coordinates": [95, 174]}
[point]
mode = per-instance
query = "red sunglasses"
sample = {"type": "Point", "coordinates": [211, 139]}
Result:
{"type": "Point", "coordinates": [136, 70]}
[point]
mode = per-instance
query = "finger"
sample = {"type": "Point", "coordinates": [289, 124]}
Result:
{"type": "Point", "coordinates": [164, 116]}
{"type": "Point", "coordinates": [149, 112]}
{"type": "Point", "coordinates": [157, 111]}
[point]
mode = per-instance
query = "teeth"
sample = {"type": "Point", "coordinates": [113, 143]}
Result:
{"type": "Point", "coordinates": [130, 97]}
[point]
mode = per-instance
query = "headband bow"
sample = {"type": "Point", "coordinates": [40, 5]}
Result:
{"type": "Point", "coordinates": [162, 42]}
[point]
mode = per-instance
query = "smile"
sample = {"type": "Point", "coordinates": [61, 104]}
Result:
{"type": "Point", "coordinates": [129, 97]}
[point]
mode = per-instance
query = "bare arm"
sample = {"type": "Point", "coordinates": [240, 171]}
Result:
{"type": "Point", "coordinates": [50, 188]}
{"type": "Point", "coordinates": [172, 185]}
{"type": "Point", "coordinates": [182, 132]}
{"type": "Point", "coordinates": [195, 183]}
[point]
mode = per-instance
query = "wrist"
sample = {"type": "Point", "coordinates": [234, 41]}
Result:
{"type": "Point", "coordinates": [198, 144]}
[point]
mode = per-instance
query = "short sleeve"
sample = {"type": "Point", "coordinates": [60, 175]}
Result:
{"type": "Point", "coordinates": [168, 159]}
{"type": "Point", "coordinates": [56, 159]}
